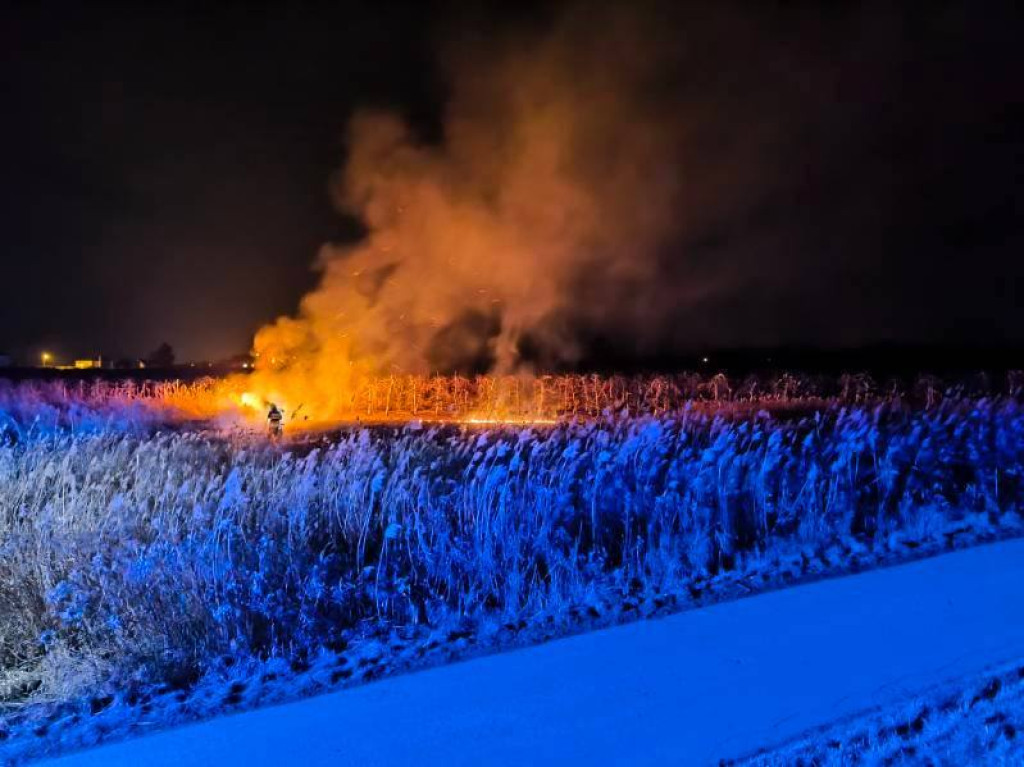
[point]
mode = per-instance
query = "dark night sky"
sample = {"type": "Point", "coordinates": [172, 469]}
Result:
{"type": "Point", "coordinates": [166, 172]}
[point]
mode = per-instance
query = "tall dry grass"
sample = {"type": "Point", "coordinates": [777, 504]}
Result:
{"type": "Point", "coordinates": [130, 556]}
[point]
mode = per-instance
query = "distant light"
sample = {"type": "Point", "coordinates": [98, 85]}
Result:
{"type": "Point", "coordinates": [705, 359]}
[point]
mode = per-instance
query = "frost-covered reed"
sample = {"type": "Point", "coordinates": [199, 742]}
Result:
{"type": "Point", "coordinates": [127, 555]}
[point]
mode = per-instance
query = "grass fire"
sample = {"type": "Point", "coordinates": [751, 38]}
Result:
{"type": "Point", "coordinates": [530, 383]}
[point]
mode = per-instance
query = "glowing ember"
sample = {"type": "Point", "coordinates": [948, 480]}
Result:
{"type": "Point", "coordinates": [250, 400]}
{"type": "Point", "coordinates": [511, 421]}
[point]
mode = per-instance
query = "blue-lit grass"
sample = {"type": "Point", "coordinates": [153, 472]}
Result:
{"type": "Point", "coordinates": [132, 559]}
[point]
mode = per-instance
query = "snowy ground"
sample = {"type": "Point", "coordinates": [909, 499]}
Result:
{"type": "Point", "coordinates": [979, 721]}
{"type": "Point", "coordinates": [719, 682]}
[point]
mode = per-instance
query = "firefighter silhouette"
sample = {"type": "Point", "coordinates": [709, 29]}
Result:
{"type": "Point", "coordinates": [275, 420]}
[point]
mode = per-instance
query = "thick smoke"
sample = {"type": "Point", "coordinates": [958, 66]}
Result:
{"type": "Point", "coordinates": [631, 175]}
{"type": "Point", "coordinates": [555, 162]}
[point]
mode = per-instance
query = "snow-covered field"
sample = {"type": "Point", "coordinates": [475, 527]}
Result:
{"type": "Point", "coordinates": [692, 688]}
{"type": "Point", "coordinates": [152, 574]}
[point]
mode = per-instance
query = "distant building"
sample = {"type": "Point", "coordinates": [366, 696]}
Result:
{"type": "Point", "coordinates": [238, 362]}
{"type": "Point", "coordinates": [89, 364]}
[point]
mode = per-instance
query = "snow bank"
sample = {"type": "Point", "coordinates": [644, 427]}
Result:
{"type": "Point", "coordinates": [691, 688]}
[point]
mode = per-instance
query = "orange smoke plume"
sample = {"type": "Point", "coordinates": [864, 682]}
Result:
{"type": "Point", "coordinates": [551, 165]}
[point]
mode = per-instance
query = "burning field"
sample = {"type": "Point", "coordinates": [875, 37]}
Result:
{"type": "Point", "coordinates": [402, 480]}
{"type": "Point", "coordinates": [426, 491]}
{"type": "Point", "coordinates": [241, 402]}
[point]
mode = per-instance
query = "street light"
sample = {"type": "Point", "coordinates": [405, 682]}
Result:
{"type": "Point", "coordinates": [47, 358]}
